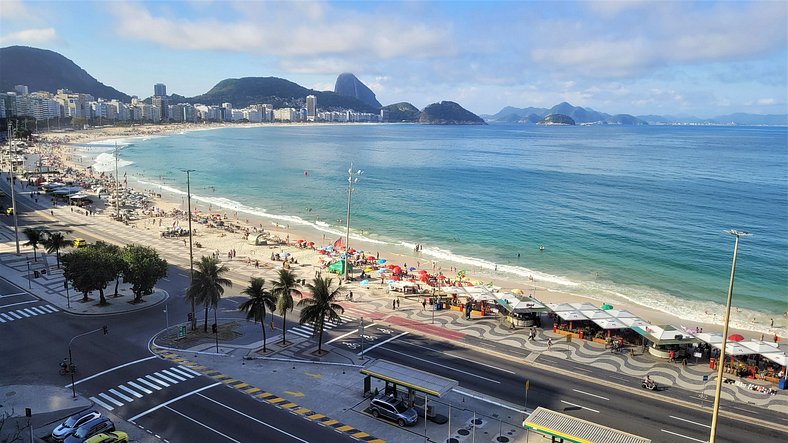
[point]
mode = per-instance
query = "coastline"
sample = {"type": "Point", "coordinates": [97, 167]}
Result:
{"type": "Point", "coordinates": [399, 254]}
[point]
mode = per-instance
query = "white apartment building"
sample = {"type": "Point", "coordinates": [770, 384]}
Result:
{"type": "Point", "coordinates": [311, 108]}
{"type": "Point", "coordinates": [285, 114]}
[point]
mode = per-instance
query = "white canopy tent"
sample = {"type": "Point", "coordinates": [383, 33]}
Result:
{"type": "Point", "coordinates": [555, 307]}
{"type": "Point", "coordinates": [609, 323]}
{"type": "Point", "coordinates": [620, 313]}
{"type": "Point", "coordinates": [761, 347]}
{"type": "Point", "coordinates": [733, 348]}
{"type": "Point", "coordinates": [571, 315]}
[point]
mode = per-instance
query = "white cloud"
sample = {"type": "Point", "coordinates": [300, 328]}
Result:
{"type": "Point", "coordinates": [766, 101]}
{"type": "Point", "coordinates": [29, 36]}
{"type": "Point", "coordinates": [290, 29]}
{"type": "Point", "coordinates": [14, 10]}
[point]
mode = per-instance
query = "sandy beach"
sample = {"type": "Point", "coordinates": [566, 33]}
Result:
{"type": "Point", "coordinates": [166, 211]}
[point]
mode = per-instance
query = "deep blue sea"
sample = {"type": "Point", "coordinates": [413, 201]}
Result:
{"type": "Point", "coordinates": [634, 213]}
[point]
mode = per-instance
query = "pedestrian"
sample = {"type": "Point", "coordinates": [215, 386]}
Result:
{"type": "Point", "coordinates": [771, 322]}
{"type": "Point", "coordinates": [423, 304]}
{"type": "Point", "coordinates": [397, 302]}
{"type": "Point", "coordinates": [394, 304]}
{"type": "Point", "coordinates": [350, 295]}
{"type": "Point", "coordinates": [549, 344]}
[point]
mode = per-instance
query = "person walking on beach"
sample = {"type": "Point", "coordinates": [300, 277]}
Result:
{"type": "Point", "coordinates": [423, 304]}
{"type": "Point", "coordinates": [397, 302]}
{"type": "Point", "coordinates": [549, 344]}
{"type": "Point", "coordinates": [394, 304]}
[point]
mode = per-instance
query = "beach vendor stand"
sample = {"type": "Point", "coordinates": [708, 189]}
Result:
{"type": "Point", "coordinates": [665, 341]}
{"type": "Point", "coordinates": [519, 312]}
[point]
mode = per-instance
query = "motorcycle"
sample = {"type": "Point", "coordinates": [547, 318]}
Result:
{"type": "Point", "coordinates": [650, 385]}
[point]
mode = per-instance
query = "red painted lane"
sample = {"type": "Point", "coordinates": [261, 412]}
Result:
{"type": "Point", "coordinates": [426, 329]}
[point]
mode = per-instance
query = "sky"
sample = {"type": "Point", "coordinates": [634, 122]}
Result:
{"type": "Point", "coordinates": [638, 57]}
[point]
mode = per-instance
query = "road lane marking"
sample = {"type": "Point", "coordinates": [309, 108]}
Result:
{"type": "Point", "coordinates": [181, 373]}
{"type": "Point", "coordinates": [690, 421]}
{"type": "Point", "coordinates": [173, 375]}
{"type": "Point", "coordinates": [442, 365]}
{"type": "Point", "coordinates": [254, 419]}
{"type": "Point", "coordinates": [110, 399]}
{"type": "Point", "coordinates": [592, 395]}
{"type": "Point", "coordinates": [142, 414]}
{"type": "Point", "coordinates": [156, 387]}
{"type": "Point", "coordinates": [20, 303]}
{"type": "Point", "coordinates": [49, 308]}
{"type": "Point", "coordinates": [101, 403]}
{"type": "Point", "coordinates": [156, 380]}
{"type": "Point", "coordinates": [136, 386]}
{"type": "Point", "coordinates": [381, 343]}
{"type": "Point", "coordinates": [131, 391]}
{"type": "Point", "coordinates": [684, 436]}
{"type": "Point", "coordinates": [7, 316]}
{"type": "Point", "coordinates": [351, 332]}
{"type": "Point", "coordinates": [575, 368]}
{"type": "Point", "coordinates": [117, 393]}
{"type": "Point", "coordinates": [111, 369]}
{"type": "Point", "coordinates": [18, 317]}
{"type": "Point", "coordinates": [460, 358]}
{"type": "Point", "coordinates": [23, 313]}
{"type": "Point", "coordinates": [468, 394]}
{"type": "Point", "coordinates": [203, 425]}
{"type": "Point", "coordinates": [581, 407]}
{"type": "Point", "coordinates": [13, 295]}
{"type": "Point", "coordinates": [184, 368]}
{"type": "Point", "coordinates": [29, 311]}
{"type": "Point", "coordinates": [165, 377]}
{"type": "Point", "coordinates": [39, 310]}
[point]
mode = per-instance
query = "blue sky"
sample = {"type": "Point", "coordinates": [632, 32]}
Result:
{"type": "Point", "coordinates": [639, 57]}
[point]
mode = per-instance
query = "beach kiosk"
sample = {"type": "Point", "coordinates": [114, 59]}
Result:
{"type": "Point", "coordinates": [562, 428]}
{"type": "Point", "coordinates": [257, 239]}
{"type": "Point", "coordinates": [339, 267]}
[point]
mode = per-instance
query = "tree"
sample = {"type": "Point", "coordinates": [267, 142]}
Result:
{"type": "Point", "coordinates": [87, 271]}
{"type": "Point", "coordinates": [284, 288]}
{"type": "Point", "coordinates": [35, 236]}
{"type": "Point", "coordinates": [54, 242]}
{"type": "Point", "coordinates": [260, 300]}
{"type": "Point", "coordinates": [115, 262]}
{"type": "Point", "coordinates": [320, 307]}
{"type": "Point", "coordinates": [208, 284]}
{"type": "Point", "coordinates": [143, 269]}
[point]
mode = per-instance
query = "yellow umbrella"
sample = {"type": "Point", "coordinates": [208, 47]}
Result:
{"type": "Point", "coordinates": [368, 270]}
{"type": "Point", "coordinates": [517, 291]}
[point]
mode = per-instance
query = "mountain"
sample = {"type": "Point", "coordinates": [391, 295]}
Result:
{"type": "Point", "coordinates": [402, 112]}
{"type": "Point", "coordinates": [43, 70]}
{"type": "Point", "coordinates": [741, 118]}
{"type": "Point", "coordinates": [242, 92]}
{"type": "Point", "coordinates": [449, 113]}
{"type": "Point", "coordinates": [578, 114]}
{"type": "Point", "coordinates": [349, 85]}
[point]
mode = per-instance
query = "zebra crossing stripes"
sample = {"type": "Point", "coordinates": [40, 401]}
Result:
{"type": "Point", "coordinates": [32, 311]}
{"type": "Point", "coordinates": [148, 384]}
{"type": "Point", "coordinates": [306, 330]}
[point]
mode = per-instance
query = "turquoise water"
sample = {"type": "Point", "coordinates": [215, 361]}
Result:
{"type": "Point", "coordinates": [633, 213]}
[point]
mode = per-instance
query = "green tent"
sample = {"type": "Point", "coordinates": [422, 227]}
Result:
{"type": "Point", "coordinates": [339, 267]}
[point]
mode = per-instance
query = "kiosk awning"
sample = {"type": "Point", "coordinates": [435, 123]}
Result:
{"type": "Point", "coordinates": [575, 430]}
{"type": "Point", "coordinates": [415, 379]}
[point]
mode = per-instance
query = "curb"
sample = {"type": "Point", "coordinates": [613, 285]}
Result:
{"type": "Point", "coordinates": [263, 396]}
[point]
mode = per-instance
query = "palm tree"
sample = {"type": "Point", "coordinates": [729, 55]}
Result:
{"type": "Point", "coordinates": [320, 306]}
{"type": "Point", "coordinates": [283, 289]}
{"type": "Point", "coordinates": [208, 285]}
{"type": "Point", "coordinates": [35, 236]}
{"type": "Point", "coordinates": [260, 300]}
{"type": "Point", "coordinates": [54, 242]}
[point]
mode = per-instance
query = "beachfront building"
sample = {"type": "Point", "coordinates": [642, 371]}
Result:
{"type": "Point", "coordinates": [162, 103]}
{"type": "Point", "coordinates": [209, 113]}
{"type": "Point", "coordinates": [285, 115]}
{"type": "Point", "coordinates": [160, 89]}
{"type": "Point", "coordinates": [311, 108]}
{"type": "Point", "coordinates": [227, 112]}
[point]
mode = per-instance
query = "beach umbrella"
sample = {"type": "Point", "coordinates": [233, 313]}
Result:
{"type": "Point", "coordinates": [390, 281]}
{"type": "Point", "coordinates": [441, 277]}
{"type": "Point", "coordinates": [310, 243]}
{"type": "Point", "coordinates": [735, 337]}
{"type": "Point", "coordinates": [364, 282]}
{"type": "Point", "coordinates": [606, 306]}
{"type": "Point", "coordinates": [351, 251]}
{"type": "Point", "coordinates": [370, 257]}
{"type": "Point", "coordinates": [395, 277]}
{"type": "Point", "coordinates": [381, 271]}
{"type": "Point", "coordinates": [381, 261]}
{"type": "Point", "coordinates": [411, 268]}
{"type": "Point", "coordinates": [367, 269]}
{"type": "Point", "coordinates": [422, 271]}
{"type": "Point", "coordinates": [517, 291]}
{"type": "Point", "coordinates": [299, 241]}
{"type": "Point", "coordinates": [286, 254]}
{"type": "Point", "coordinates": [424, 277]}
{"type": "Point", "coordinates": [396, 269]}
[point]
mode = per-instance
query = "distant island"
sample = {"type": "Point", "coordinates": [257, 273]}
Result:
{"type": "Point", "coordinates": [557, 119]}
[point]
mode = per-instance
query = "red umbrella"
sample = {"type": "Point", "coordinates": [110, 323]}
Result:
{"type": "Point", "coordinates": [351, 251]}
{"type": "Point", "coordinates": [395, 277]}
{"type": "Point", "coordinates": [423, 277]}
{"type": "Point", "coordinates": [310, 243]}
{"type": "Point", "coordinates": [422, 271]}
{"type": "Point", "coordinates": [371, 257]}
{"type": "Point", "coordinates": [735, 337]}
{"type": "Point", "coordinates": [299, 241]}
{"type": "Point", "coordinates": [396, 270]}
{"type": "Point", "coordinates": [441, 277]}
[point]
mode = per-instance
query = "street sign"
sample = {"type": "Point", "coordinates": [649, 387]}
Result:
{"type": "Point", "coordinates": [182, 331]}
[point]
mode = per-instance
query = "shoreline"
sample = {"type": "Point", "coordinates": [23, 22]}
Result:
{"type": "Point", "coordinates": [400, 254]}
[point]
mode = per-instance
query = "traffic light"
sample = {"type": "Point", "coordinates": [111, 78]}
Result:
{"type": "Point", "coordinates": [104, 328]}
{"type": "Point", "coordinates": [214, 328]}
{"type": "Point", "coordinates": [189, 317]}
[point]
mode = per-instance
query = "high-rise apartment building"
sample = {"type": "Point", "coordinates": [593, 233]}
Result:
{"type": "Point", "coordinates": [160, 89]}
{"type": "Point", "coordinates": [311, 108]}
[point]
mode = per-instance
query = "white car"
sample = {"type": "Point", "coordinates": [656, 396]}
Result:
{"type": "Point", "coordinates": [68, 427]}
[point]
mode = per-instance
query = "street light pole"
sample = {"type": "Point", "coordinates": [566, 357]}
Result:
{"type": "Point", "coordinates": [13, 192]}
{"type": "Point", "coordinates": [117, 186]}
{"type": "Point", "coordinates": [718, 388]}
{"type": "Point", "coordinates": [350, 182]}
{"type": "Point", "coordinates": [191, 250]}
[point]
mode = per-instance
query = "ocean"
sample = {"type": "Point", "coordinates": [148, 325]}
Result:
{"type": "Point", "coordinates": [624, 213]}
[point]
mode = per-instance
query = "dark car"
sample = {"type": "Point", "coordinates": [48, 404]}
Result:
{"type": "Point", "coordinates": [91, 428]}
{"type": "Point", "coordinates": [71, 424]}
{"type": "Point", "coordinates": [392, 408]}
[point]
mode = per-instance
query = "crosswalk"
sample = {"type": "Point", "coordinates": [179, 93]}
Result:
{"type": "Point", "coordinates": [306, 330]}
{"type": "Point", "coordinates": [148, 384]}
{"type": "Point", "coordinates": [21, 313]}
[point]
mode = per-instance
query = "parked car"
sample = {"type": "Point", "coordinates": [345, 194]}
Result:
{"type": "Point", "coordinates": [110, 437]}
{"type": "Point", "coordinates": [80, 242]}
{"type": "Point", "coordinates": [71, 424]}
{"type": "Point", "coordinates": [387, 406]}
{"type": "Point", "coordinates": [89, 429]}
